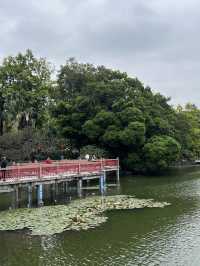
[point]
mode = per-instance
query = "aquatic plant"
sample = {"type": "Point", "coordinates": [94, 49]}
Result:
{"type": "Point", "coordinates": [81, 214]}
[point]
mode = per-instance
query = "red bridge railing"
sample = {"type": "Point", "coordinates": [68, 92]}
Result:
{"type": "Point", "coordinates": [67, 167]}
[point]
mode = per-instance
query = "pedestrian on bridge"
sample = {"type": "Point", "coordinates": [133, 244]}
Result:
{"type": "Point", "coordinates": [48, 161]}
{"type": "Point", "coordinates": [4, 163]}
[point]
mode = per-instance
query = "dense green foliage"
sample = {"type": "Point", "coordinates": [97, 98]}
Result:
{"type": "Point", "coordinates": [97, 110]}
{"type": "Point", "coordinates": [30, 144]}
{"type": "Point", "coordinates": [160, 152]}
{"type": "Point", "coordinates": [24, 85]}
{"type": "Point", "coordinates": [106, 108]}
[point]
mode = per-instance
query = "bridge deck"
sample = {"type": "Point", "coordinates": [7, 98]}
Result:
{"type": "Point", "coordinates": [64, 170]}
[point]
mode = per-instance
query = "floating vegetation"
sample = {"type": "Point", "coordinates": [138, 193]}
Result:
{"type": "Point", "coordinates": [78, 215]}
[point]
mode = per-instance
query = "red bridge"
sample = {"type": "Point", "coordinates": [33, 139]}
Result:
{"type": "Point", "coordinates": [36, 175]}
{"type": "Point", "coordinates": [64, 169]}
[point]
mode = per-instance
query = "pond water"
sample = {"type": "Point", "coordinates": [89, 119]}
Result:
{"type": "Point", "coordinates": [155, 236]}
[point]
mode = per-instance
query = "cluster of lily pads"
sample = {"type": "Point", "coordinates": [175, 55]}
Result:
{"type": "Point", "coordinates": [78, 215]}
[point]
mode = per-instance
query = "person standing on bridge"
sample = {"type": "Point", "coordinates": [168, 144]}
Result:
{"type": "Point", "coordinates": [87, 157]}
{"type": "Point", "coordinates": [3, 167]}
{"type": "Point", "coordinates": [48, 161]}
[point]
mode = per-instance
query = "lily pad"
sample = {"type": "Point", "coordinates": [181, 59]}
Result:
{"type": "Point", "coordinates": [81, 214]}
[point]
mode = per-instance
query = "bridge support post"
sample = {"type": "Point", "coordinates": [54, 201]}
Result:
{"type": "Point", "coordinates": [118, 181]}
{"type": "Point", "coordinates": [102, 182]}
{"type": "Point", "coordinates": [104, 178]}
{"type": "Point", "coordinates": [63, 187]}
{"type": "Point", "coordinates": [55, 190]}
{"type": "Point", "coordinates": [52, 192]}
{"type": "Point", "coordinates": [79, 187]}
{"type": "Point", "coordinates": [117, 172]}
{"type": "Point", "coordinates": [29, 195]}
{"type": "Point", "coordinates": [66, 184]}
{"type": "Point", "coordinates": [17, 196]}
{"type": "Point", "coordinates": [40, 195]}
{"type": "Point", "coordinates": [13, 198]}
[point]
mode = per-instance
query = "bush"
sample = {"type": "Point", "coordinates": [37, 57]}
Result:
{"type": "Point", "coordinates": [160, 152]}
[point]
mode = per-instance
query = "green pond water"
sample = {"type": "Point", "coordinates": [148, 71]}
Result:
{"type": "Point", "coordinates": [150, 236]}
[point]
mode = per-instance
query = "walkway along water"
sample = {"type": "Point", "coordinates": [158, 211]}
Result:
{"type": "Point", "coordinates": [33, 175]}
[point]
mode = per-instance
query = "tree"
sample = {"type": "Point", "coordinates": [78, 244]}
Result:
{"type": "Point", "coordinates": [106, 108]}
{"type": "Point", "coordinates": [187, 128]}
{"type": "Point", "coordinates": [24, 85]}
{"type": "Point", "coordinates": [161, 152]}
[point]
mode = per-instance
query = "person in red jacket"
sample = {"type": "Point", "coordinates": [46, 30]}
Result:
{"type": "Point", "coordinates": [48, 161]}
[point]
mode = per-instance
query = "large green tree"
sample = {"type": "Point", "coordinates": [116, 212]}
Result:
{"type": "Point", "coordinates": [24, 84]}
{"type": "Point", "coordinates": [187, 126]}
{"type": "Point", "coordinates": [109, 109]}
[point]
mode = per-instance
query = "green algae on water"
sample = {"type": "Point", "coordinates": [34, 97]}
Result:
{"type": "Point", "coordinates": [81, 214]}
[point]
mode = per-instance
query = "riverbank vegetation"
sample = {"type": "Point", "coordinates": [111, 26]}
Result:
{"type": "Point", "coordinates": [91, 109]}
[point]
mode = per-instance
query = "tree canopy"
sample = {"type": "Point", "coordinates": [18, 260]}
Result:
{"type": "Point", "coordinates": [24, 85]}
{"type": "Point", "coordinates": [107, 108]}
{"type": "Point", "coordinates": [96, 109]}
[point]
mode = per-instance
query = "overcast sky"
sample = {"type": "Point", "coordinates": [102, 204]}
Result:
{"type": "Point", "coordinates": [156, 40]}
